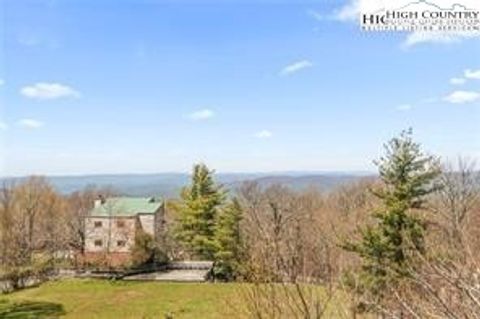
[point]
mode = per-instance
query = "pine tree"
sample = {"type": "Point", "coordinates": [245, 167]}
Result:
{"type": "Point", "coordinates": [201, 202]}
{"type": "Point", "coordinates": [229, 246]}
{"type": "Point", "coordinates": [390, 247]}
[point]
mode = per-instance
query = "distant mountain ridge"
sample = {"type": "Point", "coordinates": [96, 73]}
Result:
{"type": "Point", "coordinates": [170, 184]}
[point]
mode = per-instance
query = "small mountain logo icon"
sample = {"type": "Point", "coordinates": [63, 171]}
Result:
{"type": "Point", "coordinates": [425, 4]}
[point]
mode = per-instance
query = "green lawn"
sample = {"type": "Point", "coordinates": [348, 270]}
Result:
{"type": "Point", "coordinates": [90, 299]}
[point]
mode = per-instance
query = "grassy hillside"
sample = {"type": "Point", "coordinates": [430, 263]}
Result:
{"type": "Point", "coordinates": [80, 299]}
{"type": "Point", "coordinates": [99, 299]}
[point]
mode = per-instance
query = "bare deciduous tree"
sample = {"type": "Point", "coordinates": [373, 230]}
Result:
{"type": "Point", "coordinates": [459, 195]}
{"type": "Point", "coordinates": [32, 229]}
{"type": "Point", "coordinates": [289, 254]}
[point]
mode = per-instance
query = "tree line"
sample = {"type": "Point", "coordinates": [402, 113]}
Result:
{"type": "Point", "coordinates": [403, 244]}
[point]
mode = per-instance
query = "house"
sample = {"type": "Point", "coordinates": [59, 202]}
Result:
{"type": "Point", "coordinates": [112, 224]}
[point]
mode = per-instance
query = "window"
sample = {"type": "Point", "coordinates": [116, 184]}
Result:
{"type": "Point", "coordinates": [121, 243]}
{"type": "Point", "coordinates": [120, 223]}
{"type": "Point", "coordinates": [98, 243]}
{"type": "Point", "coordinates": [98, 224]}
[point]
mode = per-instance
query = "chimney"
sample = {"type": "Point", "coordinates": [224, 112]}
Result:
{"type": "Point", "coordinates": [100, 200]}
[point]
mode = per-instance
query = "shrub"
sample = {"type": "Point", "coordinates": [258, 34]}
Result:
{"type": "Point", "coordinates": [143, 251]}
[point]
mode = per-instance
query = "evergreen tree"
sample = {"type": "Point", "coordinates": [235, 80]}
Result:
{"type": "Point", "coordinates": [389, 248]}
{"type": "Point", "coordinates": [229, 246]}
{"type": "Point", "coordinates": [201, 202]}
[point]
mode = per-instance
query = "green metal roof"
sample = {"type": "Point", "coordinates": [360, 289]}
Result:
{"type": "Point", "coordinates": [126, 206]}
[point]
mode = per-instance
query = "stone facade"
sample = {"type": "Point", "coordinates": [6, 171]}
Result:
{"type": "Point", "coordinates": [110, 234]}
{"type": "Point", "coordinates": [148, 223]}
{"type": "Point", "coordinates": [109, 239]}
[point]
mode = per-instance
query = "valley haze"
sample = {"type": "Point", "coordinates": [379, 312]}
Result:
{"type": "Point", "coordinates": [170, 184]}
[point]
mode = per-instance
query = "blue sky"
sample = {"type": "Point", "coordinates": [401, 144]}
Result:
{"type": "Point", "coordinates": [109, 86]}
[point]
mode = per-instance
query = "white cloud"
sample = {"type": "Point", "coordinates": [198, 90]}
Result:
{"type": "Point", "coordinates": [404, 107]}
{"type": "Point", "coordinates": [264, 134]}
{"type": "Point", "coordinates": [314, 14]}
{"type": "Point", "coordinates": [429, 100]}
{"type": "Point", "coordinates": [457, 81]}
{"type": "Point", "coordinates": [349, 12]}
{"type": "Point", "coordinates": [472, 74]}
{"type": "Point", "coordinates": [3, 126]}
{"type": "Point", "coordinates": [468, 74]}
{"type": "Point", "coordinates": [295, 67]}
{"type": "Point", "coordinates": [29, 39]}
{"type": "Point", "coordinates": [36, 38]}
{"type": "Point", "coordinates": [2, 82]}
{"type": "Point", "coordinates": [48, 91]}
{"type": "Point", "coordinates": [418, 37]}
{"type": "Point", "coordinates": [200, 115]}
{"type": "Point", "coordinates": [30, 123]}
{"type": "Point", "coordinates": [461, 97]}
